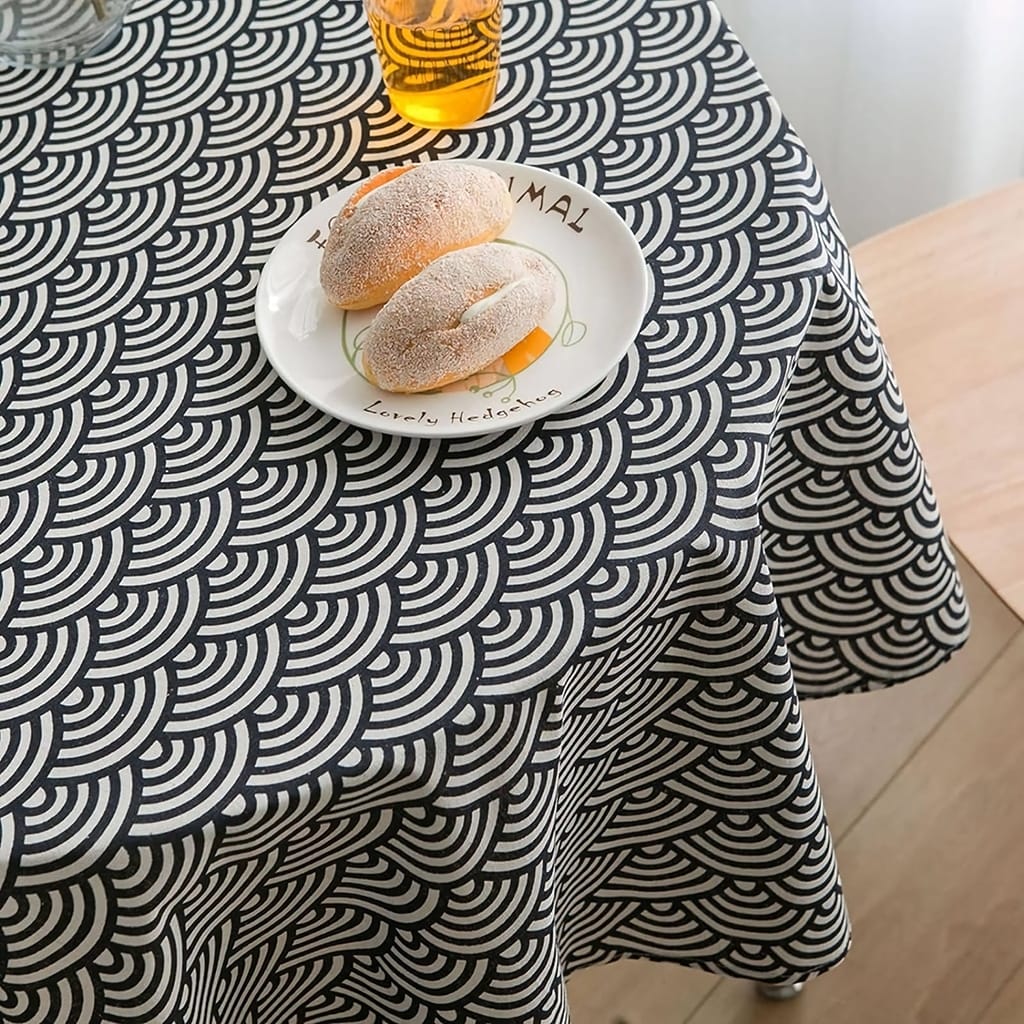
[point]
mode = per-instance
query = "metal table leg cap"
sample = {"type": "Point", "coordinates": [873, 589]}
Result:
{"type": "Point", "coordinates": [779, 993]}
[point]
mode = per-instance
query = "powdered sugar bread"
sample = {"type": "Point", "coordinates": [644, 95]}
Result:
{"type": "Point", "coordinates": [401, 220]}
{"type": "Point", "coordinates": [459, 315]}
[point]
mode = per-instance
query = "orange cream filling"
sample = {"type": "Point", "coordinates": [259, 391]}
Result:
{"type": "Point", "coordinates": [527, 351]}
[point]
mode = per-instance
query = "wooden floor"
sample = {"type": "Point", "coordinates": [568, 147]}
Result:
{"type": "Point", "coordinates": [924, 787]}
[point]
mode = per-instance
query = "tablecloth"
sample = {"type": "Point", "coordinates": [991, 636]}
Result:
{"type": "Point", "coordinates": [304, 724]}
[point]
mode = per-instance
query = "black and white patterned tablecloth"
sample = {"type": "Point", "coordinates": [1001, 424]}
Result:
{"type": "Point", "coordinates": [301, 724]}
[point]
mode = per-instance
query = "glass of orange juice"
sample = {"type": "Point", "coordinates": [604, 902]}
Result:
{"type": "Point", "coordinates": [439, 57]}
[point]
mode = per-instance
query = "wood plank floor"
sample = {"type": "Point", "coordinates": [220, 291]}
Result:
{"type": "Point", "coordinates": [924, 786]}
{"type": "Point", "coordinates": [1008, 1005]}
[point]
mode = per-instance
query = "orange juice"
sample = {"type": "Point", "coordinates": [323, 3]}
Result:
{"type": "Point", "coordinates": [439, 57]}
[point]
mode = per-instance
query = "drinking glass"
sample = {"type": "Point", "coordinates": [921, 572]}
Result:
{"type": "Point", "coordinates": [439, 58]}
{"type": "Point", "coordinates": [48, 33]}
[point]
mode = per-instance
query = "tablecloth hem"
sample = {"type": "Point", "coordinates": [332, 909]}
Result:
{"type": "Point", "coordinates": [769, 978]}
{"type": "Point", "coordinates": [874, 684]}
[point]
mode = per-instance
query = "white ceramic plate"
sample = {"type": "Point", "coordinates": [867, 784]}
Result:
{"type": "Point", "coordinates": [600, 308]}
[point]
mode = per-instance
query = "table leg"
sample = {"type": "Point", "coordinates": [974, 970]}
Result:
{"type": "Point", "coordinates": [779, 993]}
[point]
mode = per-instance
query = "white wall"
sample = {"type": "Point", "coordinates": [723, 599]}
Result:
{"type": "Point", "coordinates": [906, 105]}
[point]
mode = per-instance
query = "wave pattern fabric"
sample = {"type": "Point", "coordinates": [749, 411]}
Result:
{"type": "Point", "coordinates": [303, 724]}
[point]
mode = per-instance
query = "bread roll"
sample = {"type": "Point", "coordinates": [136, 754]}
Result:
{"type": "Point", "coordinates": [403, 219]}
{"type": "Point", "coordinates": [466, 310]}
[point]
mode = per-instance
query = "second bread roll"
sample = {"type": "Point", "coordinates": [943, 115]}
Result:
{"type": "Point", "coordinates": [466, 310]}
